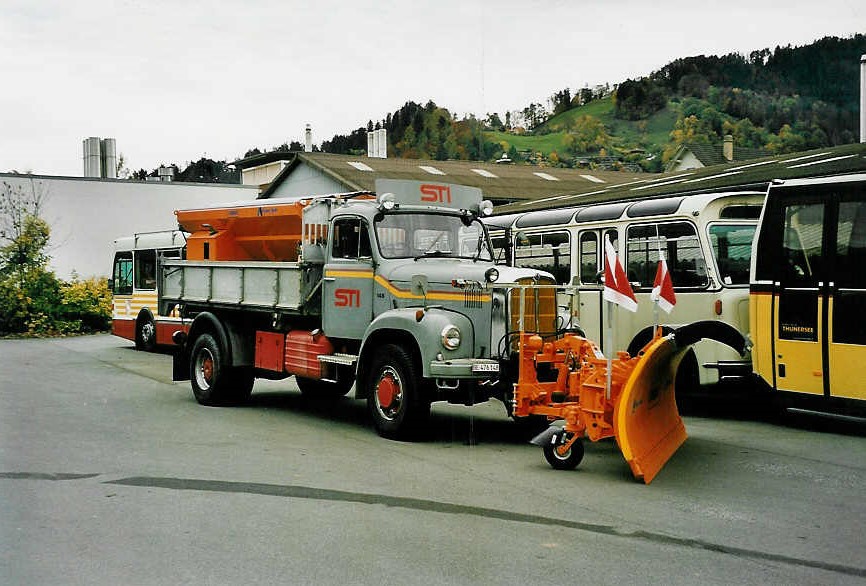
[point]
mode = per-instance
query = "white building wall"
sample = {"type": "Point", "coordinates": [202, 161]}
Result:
{"type": "Point", "coordinates": [305, 180]}
{"type": "Point", "coordinates": [262, 174]}
{"type": "Point", "coordinates": [686, 162]}
{"type": "Point", "coordinates": [86, 215]}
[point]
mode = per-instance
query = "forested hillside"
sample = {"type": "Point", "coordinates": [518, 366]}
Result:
{"type": "Point", "coordinates": [783, 100]}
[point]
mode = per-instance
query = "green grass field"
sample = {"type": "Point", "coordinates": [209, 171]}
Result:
{"type": "Point", "coordinates": [650, 134]}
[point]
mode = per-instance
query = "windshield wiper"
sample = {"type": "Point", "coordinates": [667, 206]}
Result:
{"type": "Point", "coordinates": [433, 253]}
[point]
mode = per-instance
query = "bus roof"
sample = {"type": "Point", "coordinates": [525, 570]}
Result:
{"type": "Point", "coordinates": [615, 210]}
{"type": "Point", "coordinates": [148, 240]}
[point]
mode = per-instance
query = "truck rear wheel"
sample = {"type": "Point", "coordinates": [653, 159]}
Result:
{"type": "Point", "coordinates": [212, 380]}
{"type": "Point", "coordinates": [396, 398]}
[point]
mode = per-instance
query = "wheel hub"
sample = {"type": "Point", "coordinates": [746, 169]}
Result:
{"type": "Point", "coordinates": [387, 391]}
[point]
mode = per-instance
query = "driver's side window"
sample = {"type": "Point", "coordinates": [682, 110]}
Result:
{"type": "Point", "coordinates": [351, 239]}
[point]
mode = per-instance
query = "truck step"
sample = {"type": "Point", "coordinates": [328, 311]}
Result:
{"type": "Point", "coordinates": [340, 359]}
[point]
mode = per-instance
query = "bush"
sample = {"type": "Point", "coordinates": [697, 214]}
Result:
{"type": "Point", "coordinates": [35, 303]}
{"type": "Point", "coordinates": [86, 303]}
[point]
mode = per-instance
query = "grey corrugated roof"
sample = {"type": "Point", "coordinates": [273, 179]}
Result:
{"type": "Point", "coordinates": [755, 174]}
{"type": "Point", "coordinates": [509, 182]}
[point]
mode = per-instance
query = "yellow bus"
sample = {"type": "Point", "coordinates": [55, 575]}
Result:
{"type": "Point", "coordinates": [134, 283]}
{"type": "Point", "coordinates": [808, 292]}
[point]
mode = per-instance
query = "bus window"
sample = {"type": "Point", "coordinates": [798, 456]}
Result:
{"type": "Point", "coordinates": [801, 244]}
{"type": "Point", "coordinates": [122, 273]}
{"type": "Point", "coordinates": [850, 275]}
{"type": "Point", "coordinates": [548, 251]}
{"type": "Point", "coordinates": [732, 247]}
{"type": "Point", "coordinates": [145, 269]}
{"type": "Point", "coordinates": [679, 240]}
{"type": "Point", "coordinates": [589, 258]}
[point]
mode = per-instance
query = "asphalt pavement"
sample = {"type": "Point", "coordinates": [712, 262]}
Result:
{"type": "Point", "coordinates": [110, 473]}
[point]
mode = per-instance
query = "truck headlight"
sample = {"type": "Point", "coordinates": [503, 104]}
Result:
{"type": "Point", "coordinates": [451, 337]}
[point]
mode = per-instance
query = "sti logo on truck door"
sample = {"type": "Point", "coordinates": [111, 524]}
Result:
{"type": "Point", "coordinates": [347, 298]}
{"type": "Point", "coordinates": [435, 193]}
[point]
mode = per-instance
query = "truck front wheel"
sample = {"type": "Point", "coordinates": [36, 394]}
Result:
{"type": "Point", "coordinates": [396, 397]}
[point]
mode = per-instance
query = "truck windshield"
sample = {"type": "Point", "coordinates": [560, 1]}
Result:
{"type": "Point", "coordinates": [417, 235]}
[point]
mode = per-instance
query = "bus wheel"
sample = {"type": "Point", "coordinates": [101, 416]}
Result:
{"type": "Point", "coordinates": [209, 375]}
{"type": "Point", "coordinates": [687, 383]}
{"type": "Point", "coordinates": [396, 397]}
{"type": "Point", "coordinates": [145, 333]}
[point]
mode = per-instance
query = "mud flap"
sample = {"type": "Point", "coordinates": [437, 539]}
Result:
{"type": "Point", "coordinates": [647, 425]}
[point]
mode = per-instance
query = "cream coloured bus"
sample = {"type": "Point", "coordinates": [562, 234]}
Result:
{"type": "Point", "coordinates": [706, 239]}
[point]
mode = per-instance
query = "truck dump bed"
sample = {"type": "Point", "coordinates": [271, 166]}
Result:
{"type": "Point", "coordinates": [249, 284]}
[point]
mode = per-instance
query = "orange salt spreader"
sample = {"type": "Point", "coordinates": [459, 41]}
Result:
{"type": "Point", "coordinates": [636, 406]}
{"type": "Point", "coordinates": [259, 230]}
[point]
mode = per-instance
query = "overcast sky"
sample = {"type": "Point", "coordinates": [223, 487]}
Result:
{"type": "Point", "coordinates": [173, 81]}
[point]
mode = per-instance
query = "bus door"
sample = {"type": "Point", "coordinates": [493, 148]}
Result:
{"type": "Point", "coordinates": [347, 302]}
{"type": "Point", "coordinates": [588, 278]}
{"type": "Point", "coordinates": [846, 353]}
{"type": "Point", "coordinates": [799, 317]}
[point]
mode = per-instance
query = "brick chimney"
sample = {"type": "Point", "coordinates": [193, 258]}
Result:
{"type": "Point", "coordinates": [728, 148]}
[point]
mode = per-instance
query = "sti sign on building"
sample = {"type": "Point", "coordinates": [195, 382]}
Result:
{"type": "Point", "coordinates": [86, 215]}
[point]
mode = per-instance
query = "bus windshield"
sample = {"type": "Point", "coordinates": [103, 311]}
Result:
{"type": "Point", "coordinates": [411, 235]}
{"type": "Point", "coordinates": [732, 249]}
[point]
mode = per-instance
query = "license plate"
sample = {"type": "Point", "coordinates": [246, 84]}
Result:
{"type": "Point", "coordinates": [486, 367]}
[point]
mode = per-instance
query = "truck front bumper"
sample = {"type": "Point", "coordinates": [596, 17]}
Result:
{"type": "Point", "coordinates": [465, 368]}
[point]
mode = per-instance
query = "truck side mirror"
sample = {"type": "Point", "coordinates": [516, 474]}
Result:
{"type": "Point", "coordinates": [419, 285]}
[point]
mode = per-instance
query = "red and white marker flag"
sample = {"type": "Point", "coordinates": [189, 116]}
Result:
{"type": "Point", "coordinates": [663, 288]}
{"type": "Point", "coordinates": [617, 289]}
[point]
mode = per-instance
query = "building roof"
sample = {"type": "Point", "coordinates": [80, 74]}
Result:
{"type": "Point", "coordinates": [711, 154]}
{"type": "Point", "coordinates": [500, 183]}
{"type": "Point", "coordinates": [755, 174]}
{"type": "Point", "coordinates": [263, 159]}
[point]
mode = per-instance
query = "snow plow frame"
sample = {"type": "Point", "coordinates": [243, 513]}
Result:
{"type": "Point", "coordinates": [565, 377]}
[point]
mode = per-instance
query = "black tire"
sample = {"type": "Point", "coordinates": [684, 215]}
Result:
{"type": "Point", "coordinates": [396, 399]}
{"type": "Point", "coordinates": [687, 383]}
{"type": "Point", "coordinates": [319, 389]}
{"type": "Point", "coordinates": [568, 460]}
{"type": "Point", "coordinates": [210, 377]}
{"type": "Point", "coordinates": [145, 333]}
{"type": "Point", "coordinates": [241, 385]}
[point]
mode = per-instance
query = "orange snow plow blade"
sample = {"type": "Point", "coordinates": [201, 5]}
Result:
{"type": "Point", "coordinates": [629, 398]}
{"type": "Point", "coordinates": [646, 423]}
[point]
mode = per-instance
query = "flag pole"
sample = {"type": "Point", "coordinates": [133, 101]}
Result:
{"type": "Point", "coordinates": [655, 298]}
{"type": "Point", "coordinates": [610, 349]}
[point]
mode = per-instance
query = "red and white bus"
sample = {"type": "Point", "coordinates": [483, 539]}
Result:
{"type": "Point", "coordinates": [135, 283]}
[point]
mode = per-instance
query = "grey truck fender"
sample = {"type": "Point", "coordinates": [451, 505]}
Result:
{"type": "Point", "coordinates": [420, 332]}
